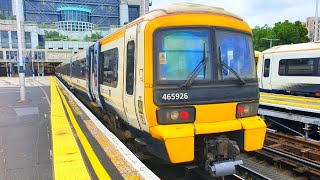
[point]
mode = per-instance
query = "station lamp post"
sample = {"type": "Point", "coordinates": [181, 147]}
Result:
{"type": "Point", "coordinates": [316, 24]}
{"type": "Point", "coordinates": [268, 39]}
{"type": "Point", "coordinates": [21, 65]}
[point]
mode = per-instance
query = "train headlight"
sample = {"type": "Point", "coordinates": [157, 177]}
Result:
{"type": "Point", "coordinates": [247, 109]}
{"type": "Point", "coordinates": [176, 115]}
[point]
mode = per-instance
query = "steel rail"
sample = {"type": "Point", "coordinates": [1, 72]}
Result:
{"type": "Point", "coordinates": [314, 165]}
{"type": "Point", "coordinates": [252, 173]}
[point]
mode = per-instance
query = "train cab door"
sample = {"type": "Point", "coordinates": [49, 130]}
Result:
{"type": "Point", "coordinates": [266, 72]}
{"type": "Point", "coordinates": [89, 55]}
{"type": "Point", "coordinates": [129, 77]}
{"type": "Point", "coordinates": [96, 68]}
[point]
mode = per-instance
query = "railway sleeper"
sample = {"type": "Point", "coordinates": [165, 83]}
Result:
{"type": "Point", "coordinates": [284, 163]}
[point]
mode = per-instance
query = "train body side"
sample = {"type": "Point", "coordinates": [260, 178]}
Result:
{"type": "Point", "coordinates": [291, 69]}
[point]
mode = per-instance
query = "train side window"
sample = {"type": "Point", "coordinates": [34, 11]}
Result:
{"type": "Point", "coordinates": [266, 68]}
{"type": "Point", "coordinates": [318, 67]}
{"type": "Point", "coordinates": [282, 67]}
{"type": "Point", "coordinates": [300, 67]}
{"type": "Point", "coordinates": [83, 68]}
{"type": "Point", "coordinates": [130, 67]}
{"type": "Point", "coordinates": [110, 67]}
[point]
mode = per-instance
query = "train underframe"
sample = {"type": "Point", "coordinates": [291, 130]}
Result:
{"type": "Point", "coordinates": [215, 153]}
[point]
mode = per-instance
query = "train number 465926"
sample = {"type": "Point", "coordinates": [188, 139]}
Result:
{"type": "Point", "coordinates": [175, 96]}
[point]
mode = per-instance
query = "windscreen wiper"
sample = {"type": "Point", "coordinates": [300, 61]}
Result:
{"type": "Point", "coordinates": [202, 64]}
{"type": "Point", "coordinates": [222, 63]}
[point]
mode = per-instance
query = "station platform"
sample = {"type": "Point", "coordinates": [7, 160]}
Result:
{"type": "Point", "coordinates": [294, 108]}
{"type": "Point", "coordinates": [307, 104]}
{"type": "Point", "coordinates": [52, 135]}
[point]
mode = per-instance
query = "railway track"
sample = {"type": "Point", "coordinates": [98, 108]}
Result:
{"type": "Point", "coordinates": [299, 155]}
{"type": "Point", "coordinates": [247, 173]}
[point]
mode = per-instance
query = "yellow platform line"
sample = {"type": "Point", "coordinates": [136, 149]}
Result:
{"type": "Point", "coordinates": [310, 106]}
{"type": "Point", "coordinates": [296, 98]}
{"type": "Point", "coordinates": [68, 162]}
{"type": "Point", "coordinates": [96, 164]}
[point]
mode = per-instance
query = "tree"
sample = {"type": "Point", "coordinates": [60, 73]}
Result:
{"type": "Point", "coordinates": [54, 36]}
{"type": "Point", "coordinates": [93, 37]}
{"type": "Point", "coordinates": [95, 26]}
{"type": "Point", "coordinates": [286, 32]}
{"type": "Point", "coordinates": [289, 33]}
{"type": "Point", "coordinates": [14, 17]}
{"type": "Point", "coordinates": [53, 26]}
{"type": "Point", "coordinates": [265, 31]}
{"type": "Point", "coordinates": [39, 47]}
{"type": "Point", "coordinates": [43, 25]}
{"type": "Point", "coordinates": [2, 16]}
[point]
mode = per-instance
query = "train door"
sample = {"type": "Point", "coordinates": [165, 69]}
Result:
{"type": "Point", "coordinates": [89, 52]}
{"type": "Point", "coordinates": [96, 68]}
{"type": "Point", "coordinates": [129, 74]}
{"type": "Point", "coordinates": [266, 72]}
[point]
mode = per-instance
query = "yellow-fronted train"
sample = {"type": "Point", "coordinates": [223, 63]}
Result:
{"type": "Point", "coordinates": [178, 83]}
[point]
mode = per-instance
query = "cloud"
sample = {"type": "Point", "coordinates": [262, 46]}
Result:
{"type": "Point", "coordinates": [257, 12]}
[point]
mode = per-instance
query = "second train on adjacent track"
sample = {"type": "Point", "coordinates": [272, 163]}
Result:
{"type": "Point", "coordinates": [179, 83]}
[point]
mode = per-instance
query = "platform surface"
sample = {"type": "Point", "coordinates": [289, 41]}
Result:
{"type": "Point", "coordinates": [307, 104]}
{"type": "Point", "coordinates": [25, 130]}
{"type": "Point", "coordinates": [53, 136]}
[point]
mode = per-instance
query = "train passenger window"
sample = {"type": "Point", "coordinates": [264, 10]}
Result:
{"type": "Point", "coordinates": [318, 74]}
{"type": "Point", "coordinates": [299, 67]}
{"type": "Point", "coordinates": [68, 69]}
{"type": "Point", "coordinates": [266, 68]}
{"type": "Point", "coordinates": [83, 68]}
{"type": "Point", "coordinates": [130, 67]}
{"type": "Point", "coordinates": [282, 67]}
{"type": "Point", "coordinates": [75, 69]}
{"type": "Point", "coordinates": [110, 67]}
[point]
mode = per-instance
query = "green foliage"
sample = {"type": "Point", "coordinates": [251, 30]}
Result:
{"type": "Point", "coordinates": [94, 37]}
{"type": "Point", "coordinates": [39, 47]}
{"type": "Point", "coordinates": [75, 39]}
{"type": "Point", "coordinates": [286, 32]}
{"type": "Point", "coordinates": [43, 25]}
{"type": "Point", "coordinates": [291, 32]}
{"type": "Point", "coordinates": [54, 36]}
{"type": "Point", "coordinates": [265, 31]}
{"type": "Point", "coordinates": [14, 17]}
{"type": "Point", "coordinates": [53, 26]}
{"type": "Point", "coordinates": [95, 26]}
{"type": "Point", "coordinates": [2, 16]}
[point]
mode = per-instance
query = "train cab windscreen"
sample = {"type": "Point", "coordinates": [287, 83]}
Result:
{"type": "Point", "coordinates": [179, 51]}
{"type": "Point", "coordinates": [236, 51]}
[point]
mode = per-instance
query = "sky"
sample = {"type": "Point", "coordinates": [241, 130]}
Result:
{"type": "Point", "coordinates": [257, 12]}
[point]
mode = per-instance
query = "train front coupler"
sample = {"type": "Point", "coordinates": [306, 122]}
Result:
{"type": "Point", "coordinates": [220, 154]}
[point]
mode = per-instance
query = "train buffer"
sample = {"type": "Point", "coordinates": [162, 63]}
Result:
{"type": "Point", "coordinates": [52, 135]}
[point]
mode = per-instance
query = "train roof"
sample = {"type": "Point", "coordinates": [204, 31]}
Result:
{"type": "Point", "coordinates": [180, 8]}
{"type": "Point", "coordinates": [293, 48]}
{"type": "Point", "coordinates": [176, 8]}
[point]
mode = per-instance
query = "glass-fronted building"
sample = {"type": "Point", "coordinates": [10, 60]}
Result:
{"type": "Point", "coordinates": [74, 18]}
{"type": "Point", "coordinates": [47, 22]}
{"type": "Point", "coordinates": [6, 8]}
{"type": "Point", "coordinates": [76, 15]}
{"type": "Point", "coordinates": [101, 13]}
